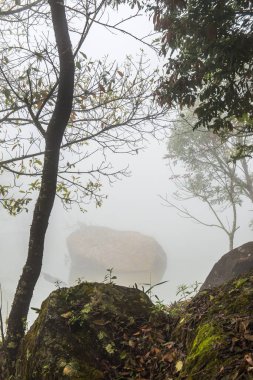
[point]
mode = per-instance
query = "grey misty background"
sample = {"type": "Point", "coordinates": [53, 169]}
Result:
{"type": "Point", "coordinates": [133, 204]}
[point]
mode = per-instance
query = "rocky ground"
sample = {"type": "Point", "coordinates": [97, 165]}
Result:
{"type": "Point", "coordinates": [102, 331]}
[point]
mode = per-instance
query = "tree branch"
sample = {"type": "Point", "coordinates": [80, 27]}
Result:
{"type": "Point", "coordinates": [21, 9]}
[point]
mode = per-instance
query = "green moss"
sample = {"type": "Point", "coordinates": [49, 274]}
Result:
{"type": "Point", "coordinates": [204, 340]}
{"type": "Point", "coordinates": [240, 282]}
{"type": "Point", "coordinates": [203, 351]}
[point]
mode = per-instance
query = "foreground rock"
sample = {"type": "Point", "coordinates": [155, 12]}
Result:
{"type": "Point", "coordinates": [234, 263]}
{"type": "Point", "coordinates": [215, 332]}
{"type": "Point", "coordinates": [97, 331]}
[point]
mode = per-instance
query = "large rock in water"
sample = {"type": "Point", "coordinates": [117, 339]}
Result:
{"type": "Point", "coordinates": [135, 258]}
{"type": "Point", "coordinates": [232, 264]}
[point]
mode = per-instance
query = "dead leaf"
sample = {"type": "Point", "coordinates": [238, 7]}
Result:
{"type": "Point", "coordinates": [120, 73]}
{"type": "Point", "coordinates": [131, 343]}
{"type": "Point", "coordinates": [179, 365]}
{"type": "Point", "coordinates": [67, 371]}
{"type": "Point", "coordinates": [155, 350]}
{"type": "Point", "coordinates": [100, 322]}
{"type": "Point", "coordinates": [146, 329]}
{"type": "Point", "coordinates": [234, 341]}
{"type": "Point", "coordinates": [67, 315]}
{"type": "Point", "coordinates": [248, 337]}
{"type": "Point", "coordinates": [169, 345]}
{"type": "Point", "coordinates": [169, 357]}
{"type": "Point", "coordinates": [248, 359]}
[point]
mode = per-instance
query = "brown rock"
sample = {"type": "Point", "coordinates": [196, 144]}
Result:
{"type": "Point", "coordinates": [79, 333]}
{"type": "Point", "coordinates": [232, 264]}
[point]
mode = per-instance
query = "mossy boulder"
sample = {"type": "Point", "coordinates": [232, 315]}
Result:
{"type": "Point", "coordinates": [92, 332]}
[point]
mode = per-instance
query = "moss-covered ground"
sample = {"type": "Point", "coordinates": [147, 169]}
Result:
{"type": "Point", "coordinates": [97, 331]}
{"type": "Point", "coordinates": [216, 333]}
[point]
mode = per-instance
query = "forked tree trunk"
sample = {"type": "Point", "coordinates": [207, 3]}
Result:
{"type": "Point", "coordinates": [54, 134]}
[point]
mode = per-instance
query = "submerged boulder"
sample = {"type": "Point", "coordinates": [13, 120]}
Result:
{"type": "Point", "coordinates": [134, 257]}
{"type": "Point", "coordinates": [234, 263]}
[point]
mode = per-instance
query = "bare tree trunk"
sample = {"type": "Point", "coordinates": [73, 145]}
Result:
{"type": "Point", "coordinates": [231, 240]}
{"type": "Point", "coordinates": [248, 179]}
{"type": "Point", "coordinates": [232, 195]}
{"type": "Point", "coordinates": [31, 271]}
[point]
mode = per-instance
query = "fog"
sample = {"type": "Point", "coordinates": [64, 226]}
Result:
{"type": "Point", "coordinates": [133, 204]}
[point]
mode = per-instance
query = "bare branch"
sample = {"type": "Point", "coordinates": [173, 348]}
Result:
{"type": "Point", "coordinates": [13, 11]}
